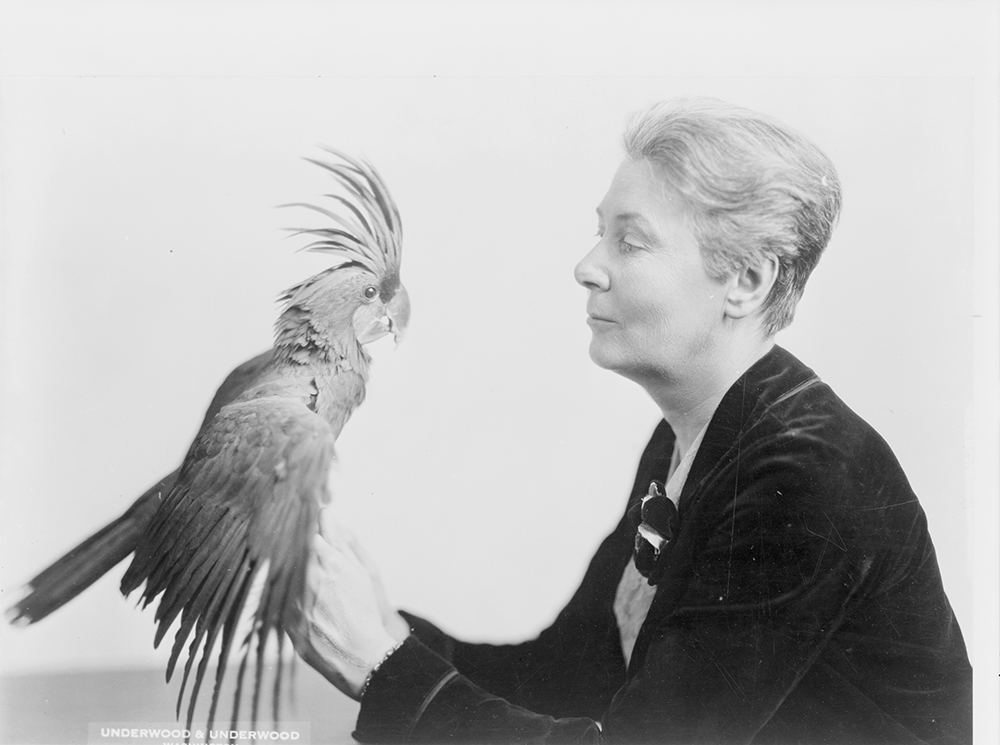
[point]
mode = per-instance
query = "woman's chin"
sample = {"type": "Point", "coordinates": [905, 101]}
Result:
{"type": "Point", "coordinates": [606, 358]}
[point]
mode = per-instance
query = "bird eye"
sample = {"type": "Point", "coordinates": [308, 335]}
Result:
{"type": "Point", "coordinates": [371, 292]}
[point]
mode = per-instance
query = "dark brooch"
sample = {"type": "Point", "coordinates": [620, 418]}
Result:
{"type": "Point", "coordinates": [655, 519]}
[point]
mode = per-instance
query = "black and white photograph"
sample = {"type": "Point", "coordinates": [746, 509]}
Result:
{"type": "Point", "coordinates": [439, 372]}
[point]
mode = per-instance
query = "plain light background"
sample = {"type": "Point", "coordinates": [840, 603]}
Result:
{"type": "Point", "coordinates": [142, 162]}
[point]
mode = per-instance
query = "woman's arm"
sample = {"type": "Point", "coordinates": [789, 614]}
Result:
{"type": "Point", "coordinates": [573, 667]}
{"type": "Point", "coordinates": [418, 696]}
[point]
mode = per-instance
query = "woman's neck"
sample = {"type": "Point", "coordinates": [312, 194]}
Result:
{"type": "Point", "coordinates": [688, 404]}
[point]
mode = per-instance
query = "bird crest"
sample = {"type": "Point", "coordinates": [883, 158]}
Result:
{"type": "Point", "coordinates": [371, 232]}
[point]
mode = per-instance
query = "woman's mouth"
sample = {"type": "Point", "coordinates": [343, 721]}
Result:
{"type": "Point", "coordinates": [598, 321]}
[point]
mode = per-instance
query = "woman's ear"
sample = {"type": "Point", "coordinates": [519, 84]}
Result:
{"type": "Point", "coordinates": [750, 287]}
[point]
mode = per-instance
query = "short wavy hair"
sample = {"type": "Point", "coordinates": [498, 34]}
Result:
{"type": "Point", "coordinates": [751, 185]}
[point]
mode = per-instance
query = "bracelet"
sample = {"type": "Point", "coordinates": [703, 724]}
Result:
{"type": "Point", "coordinates": [378, 664]}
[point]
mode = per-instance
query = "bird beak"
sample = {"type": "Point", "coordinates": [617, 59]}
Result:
{"type": "Point", "coordinates": [398, 314]}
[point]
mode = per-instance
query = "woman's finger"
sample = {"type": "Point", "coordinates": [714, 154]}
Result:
{"type": "Point", "coordinates": [323, 552]}
{"type": "Point", "coordinates": [328, 526]}
{"type": "Point", "coordinates": [363, 556]}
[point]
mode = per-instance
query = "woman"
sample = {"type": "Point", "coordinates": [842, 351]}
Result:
{"type": "Point", "coordinates": [772, 578]}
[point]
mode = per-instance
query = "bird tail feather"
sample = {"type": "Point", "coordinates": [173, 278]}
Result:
{"type": "Point", "coordinates": [89, 561]}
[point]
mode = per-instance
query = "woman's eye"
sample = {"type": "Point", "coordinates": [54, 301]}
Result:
{"type": "Point", "coordinates": [627, 247]}
{"type": "Point", "coordinates": [371, 292]}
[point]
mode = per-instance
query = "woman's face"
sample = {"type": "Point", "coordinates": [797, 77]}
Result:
{"type": "Point", "coordinates": [653, 309]}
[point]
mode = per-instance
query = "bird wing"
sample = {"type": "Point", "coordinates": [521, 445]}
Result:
{"type": "Point", "coordinates": [246, 501]}
{"type": "Point", "coordinates": [91, 559]}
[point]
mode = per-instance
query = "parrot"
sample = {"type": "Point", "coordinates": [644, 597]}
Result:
{"type": "Point", "coordinates": [241, 510]}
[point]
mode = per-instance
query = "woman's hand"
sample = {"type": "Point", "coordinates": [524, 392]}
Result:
{"type": "Point", "coordinates": [394, 623]}
{"type": "Point", "coordinates": [341, 630]}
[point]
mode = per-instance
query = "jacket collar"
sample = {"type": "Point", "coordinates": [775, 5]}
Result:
{"type": "Point", "coordinates": [774, 377]}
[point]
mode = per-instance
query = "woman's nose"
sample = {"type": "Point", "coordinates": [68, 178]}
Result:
{"type": "Point", "coordinates": [590, 272]}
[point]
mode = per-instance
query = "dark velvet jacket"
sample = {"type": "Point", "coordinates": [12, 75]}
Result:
{"type": "Point", "coordinates": [800, 601]}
